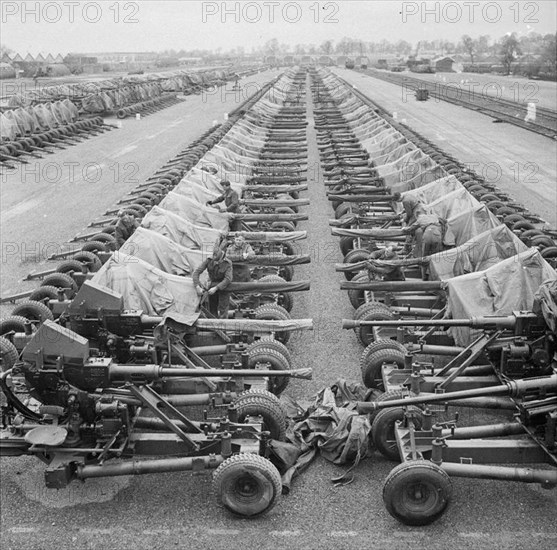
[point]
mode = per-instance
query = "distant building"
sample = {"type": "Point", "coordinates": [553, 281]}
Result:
{"type": "Point", "coordinates": [443, 64]}
{"type": "Point", "coordinates": [325, 60]}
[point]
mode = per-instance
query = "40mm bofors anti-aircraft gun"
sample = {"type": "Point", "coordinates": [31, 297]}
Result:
{"type": "Point", "coordinates": [76, 412]}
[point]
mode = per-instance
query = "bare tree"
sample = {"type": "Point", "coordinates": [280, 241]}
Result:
{"type": "Point", "coordinates": [470, 46]}
{"type": "Point", "coordinates": [510, 50]}
{"type": "Point", "coordinates": [327, 47]}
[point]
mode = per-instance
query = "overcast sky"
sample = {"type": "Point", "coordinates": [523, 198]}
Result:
{"type": "Point", "coordinates": [103, 26]}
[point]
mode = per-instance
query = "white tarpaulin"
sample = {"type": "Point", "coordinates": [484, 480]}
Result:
{"type": "Point", "coordinates": [435, 189]}
{"type": "Point", "coordinates": [195, 212]}
{"type": "Point", "coordinates": [164, 253]}
{"type": "Point", "coordinates": [470, 223]}
{"type": "Point", "coordinates": [149, 289]}
{"type": "Point", "coordinates": [181, 230]}
{"type": "Point", "coordinates": [453, 203]}
{"type": "Point", "coordinates": [501, 289]}
{"type": "Point", "coordinates": [479, 253]}
{"type": "Point", "coordinates": [209, 181]}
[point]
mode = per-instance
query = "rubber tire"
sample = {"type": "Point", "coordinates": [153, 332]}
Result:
{"type": "Point", "coordinates": [94, 247]}
{"type": "Point", "coordinates": [89, 259]}
{"type": "Point", "coordinates": [346, 245]}
{"type": "Point", "coordinates": [34, 311]}
{"type": "Point", "coordinates": [61, 280]}
{"type": "Point", "coordinates": [70, 266]}
{"type": "Point", "coordinates": [354, 256]}
{"type": "Point", "coordinates": [542, 241]}
{"type": "Point", "coordinates": [103, 238]}
{"type": "Point", "coordinates": [549, 252]}
{"type": "Point", "coordinates": [371, 311]}
{"type": "Point", "coordinates": [12, 323]}
{"type": "Point", "coordinates": [285, 297]}
{"type": "Point", "coordinates": [383, 429]}
{"type": "Point", "coordinates": [8, 354]}
{"type": "Point", "coordinates": [286, 272]}
{"type": "Point", "coordinates": [39, 294]}
{"type": "Point", "coordinates": [265, 404]}
{"type": "Point", "coordinates": [371, 365]}
{"type": "Point", "coordinates": [270, 342]}
{"type": "Point", "coordinates": [276, 360]}
{"type": "Point", "coordinates": [242, 469]}
{"type": "Point", "coordinates": [375, 346]}
{"type": "Point", "coordinates": [272, 312]}
{"type": "Point", "coordinates": [417, 472]}
{"type": "Point", "coordinates": [357, 297]}
{"type": "Point", "coordinates": [283, 226]}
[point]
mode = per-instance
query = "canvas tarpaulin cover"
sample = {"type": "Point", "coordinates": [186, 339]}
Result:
{"type": "Point", "coordinates": [479, 253]}
{"type": "Point", "coordinates": [197, 213]}
{"type": "Point", "coordinates": [547, 303]}
{"type": "Point", "coordinates": [471, 222]}
{"type": "Point", "coordinates": [144, 287]}
{"type": "Point", "coordinates": [461, 227]}
{"type": "Point", "coordinates": [210, 181]}
{"type": "Point", "coordinates": [181, 230]}
{"type": "Point", "coordinates": [435, 189]}
{"type": "Point", "coordinates": [501, 289]}
{"type": "Point", "coordinates": [163, 253]}
{"type": "Point", "coordinates": [453, 203]}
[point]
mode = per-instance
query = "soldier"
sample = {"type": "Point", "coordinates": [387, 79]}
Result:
{"type": "Point", "coordinates": [125, 227]}
{"type": "Point", "coordinates": [390, 273]}
{"type": "Point", "coordinates": [240, 251]}
{"type": "Point", "coordinates": [219, 270]}
{"type": "Point", "coordinates": [231, 202]}
{"type": "Point", "coordinates": [413, 208]}
{"type": "Point", "coordinates": [428, 233]}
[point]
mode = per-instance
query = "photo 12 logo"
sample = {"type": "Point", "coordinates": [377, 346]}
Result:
{"type": "Point", "coordinates": [471, 12]}
{"type": "Point", "coordinates": [269, 12]}
{"type": "Point", "coordinates": [69, 12]}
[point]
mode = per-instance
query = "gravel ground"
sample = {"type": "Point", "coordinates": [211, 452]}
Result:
{"type": "Point", "coordinates": [177, 510]}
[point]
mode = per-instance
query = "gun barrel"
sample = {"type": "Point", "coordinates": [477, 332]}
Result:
{"type": "Point", "coordinates": [394, 286]}
{"type": "Point", "coordinates": [155, 372]}
{"type": "Point", "coordinates": [487, 323]}
{"type": "Point", "coordinates": [512, 388]}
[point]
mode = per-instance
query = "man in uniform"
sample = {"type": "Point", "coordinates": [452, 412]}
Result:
{"type": "Point", "coordinates": [231, 202]}
{"type": "Point", "coordinates": [240, 251]}
{"type": "Point", "coordinates": [428, 233]}
{"type": "Point", "coordinates": [125, 227]}
{"type": "Point", "coordinates": [219, 270]}
{"type": "Point", "coordinates": [390, 273]}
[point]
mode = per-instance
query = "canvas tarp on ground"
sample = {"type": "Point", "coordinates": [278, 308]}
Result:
{"type": "Point", "coordinates": [501, 289]}
{"type": "Point", "coordinates": [194, 211]}
{"type": "Point", "coordinates": [144, 287]}
{"type": "Point", "coordinates": [479, 253]}
{"type": "Point", "coordinates": [163, 253]}
{"type": "Point", "coordinates": [181, 230]}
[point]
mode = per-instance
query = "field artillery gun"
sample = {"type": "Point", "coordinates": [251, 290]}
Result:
{"type": "Point", "coordinates": [83, 411]}
{"type": "Point", "coordinates": [97, 313]}
{"type": "Point", "coordinates": [518, 345]}
{"type": "Point", "coordinates": [418, 491]}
